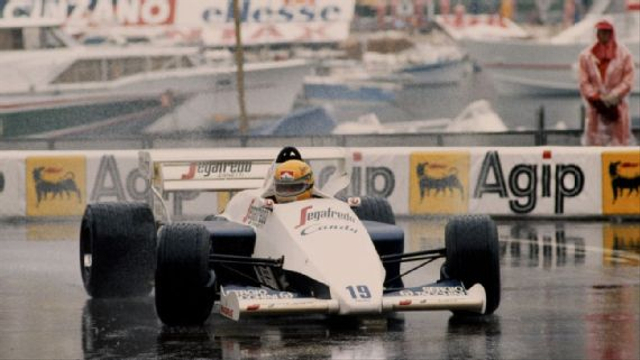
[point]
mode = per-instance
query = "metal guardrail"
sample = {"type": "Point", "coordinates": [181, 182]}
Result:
{"type": "Point", "coordinates": [539, 137]}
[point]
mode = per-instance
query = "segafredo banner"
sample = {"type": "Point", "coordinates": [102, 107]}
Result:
{"type": "Point", "coordinates": [536, 181]}
{"type": "Point", "coordinates": [211, 21]}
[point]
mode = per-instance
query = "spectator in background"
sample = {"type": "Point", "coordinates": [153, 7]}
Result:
{"type": "Point", "coordinates": [606, 77]}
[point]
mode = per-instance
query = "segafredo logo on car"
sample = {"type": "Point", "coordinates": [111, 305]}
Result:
{"type": "Point", "coordinates": [313, 221]}
{"type": "Point", "coordinates": [218, 170]}
{"type": "Point", "coordinates": [259, 293]}
{"type": "Point", "coordinates": [432, 291]}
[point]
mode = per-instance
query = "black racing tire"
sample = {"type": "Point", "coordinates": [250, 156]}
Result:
{"type": "Point", "coordinates": [117, 249]}
{"type": "Point", "coordinates": [214, 217]}
{"type": "Point", "coordinates": [375, 209]}
{"type": "Point", "coordinates": [473, 256]}
{"type": "Point", "coordinates": [185, 289]}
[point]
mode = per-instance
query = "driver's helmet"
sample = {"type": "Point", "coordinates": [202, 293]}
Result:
{"type": "Point", "coordinates": [293, 180]}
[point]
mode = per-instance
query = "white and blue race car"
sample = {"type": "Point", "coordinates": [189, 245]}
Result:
{"type": "Point", "coordinates": [326, 255]}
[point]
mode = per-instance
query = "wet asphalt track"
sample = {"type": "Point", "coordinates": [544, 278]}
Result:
{"type": "Point", "coordinates": [571, 290]}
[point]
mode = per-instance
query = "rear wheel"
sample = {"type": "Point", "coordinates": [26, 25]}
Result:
{"type": "Point", "coordinates": [378, 209]}
{"type": "Point", "coordinates": [473, 256]}
{"type": "Point", "coordinates": [117, 249]}
{"type": "Point", "coordinates": [185, 289]}
{"type": "Point", "coordinates": [375, 209]}
{"type": "Point", "coordinates": [213, 217]}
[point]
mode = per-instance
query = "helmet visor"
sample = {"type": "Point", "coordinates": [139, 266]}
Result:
{"type": "Point", "coordinates": [291, 188]}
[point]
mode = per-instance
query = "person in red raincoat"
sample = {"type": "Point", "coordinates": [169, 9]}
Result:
{"type": "Point", "coordinates": [606, 77]}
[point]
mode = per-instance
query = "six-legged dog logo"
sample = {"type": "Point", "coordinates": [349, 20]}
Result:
{"type": "Point", "coordinates": [620, 182]}
{"type": "Point", "coordinates": [447, 181]}
{"type": "Point", "coordinates": [55, 185]}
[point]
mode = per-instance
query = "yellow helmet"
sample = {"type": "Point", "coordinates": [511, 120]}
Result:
{"type": "Point", "coordinates": [293, 181]}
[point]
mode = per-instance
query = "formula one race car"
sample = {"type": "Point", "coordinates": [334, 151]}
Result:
{"type": "Point", "coordinates": [325, 255]}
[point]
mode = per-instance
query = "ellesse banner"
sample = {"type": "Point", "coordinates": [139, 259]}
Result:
{"type": "Point", "coordinates": [438, 182]}
{"type": "Point", "coordinates": [621, 182]}
{"type": "Point", "coordinates": [537, 181]}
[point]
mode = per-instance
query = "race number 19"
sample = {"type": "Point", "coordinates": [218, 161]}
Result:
{"type": "Point", "coordinates": [359, 292]}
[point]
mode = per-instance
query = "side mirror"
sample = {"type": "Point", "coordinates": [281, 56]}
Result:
{"type": "Point", "coordinates": [354, 201]}
{"type": "Point", "coordinates": [268, 204]}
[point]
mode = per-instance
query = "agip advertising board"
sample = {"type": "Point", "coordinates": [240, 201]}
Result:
{"type": "Point", "coordinates": [439, 182]}
{"type": "Point", "coordinates": [536, 181]}
{"type": "Point", "coordinates": [621, 182]}
{"type": "Point", "coordinates": [12, 184]}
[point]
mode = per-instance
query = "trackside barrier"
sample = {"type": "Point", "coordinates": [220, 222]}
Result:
{"type": "Point", "coordinates": [504, 181]}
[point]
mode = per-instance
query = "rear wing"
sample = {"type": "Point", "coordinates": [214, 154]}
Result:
{"type": "Point", "coordinates": [231, 169]}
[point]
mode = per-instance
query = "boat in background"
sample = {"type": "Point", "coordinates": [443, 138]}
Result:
{"type": "Point", "coordinates": [478, 116]}
{"type": "Point", "coordinates": [549, 66]}
{"type": "Point", "coordinates": [480, 26]}
{"type": "Point", "coordinates": [346, 80]}
{"type": "Point", "coordinates": [374, 68]}
{"type": "Point", "coordinates": [51, 85]}
{"type": "Point", "coordinates": [422, 65]}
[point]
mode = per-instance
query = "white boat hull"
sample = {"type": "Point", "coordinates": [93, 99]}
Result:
{"type": "Point", "coordinates": [270, 91]}
{"type": "Point", "coordinates": [191, 97]}
{"type": "Point", "coordinates": [441, 73]}
{"type": "Point", "coordinates": [527, 67]}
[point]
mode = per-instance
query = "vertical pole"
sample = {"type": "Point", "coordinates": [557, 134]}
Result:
{"type": "Point", "coordinates": [244, 124]}
{"type": "Point", "coordinates": [418, 14]}
{"type": "Point", "coordinates": [569, 12]}
{"type": "Point", "coordinates": [541, 138]}
{"type": "Point", "coordinates": [430, 11]}
{"type": "Point", "coordinates": [381, 12]}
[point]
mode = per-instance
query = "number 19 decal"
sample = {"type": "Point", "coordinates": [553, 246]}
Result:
{"type": "Point", "coordinates": [359, 292]}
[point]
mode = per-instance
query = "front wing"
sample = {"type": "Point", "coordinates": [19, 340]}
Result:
{"type": "Point", "coordinates": [450, 295]}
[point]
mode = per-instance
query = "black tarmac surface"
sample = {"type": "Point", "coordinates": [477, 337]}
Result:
{"type": "Point", "coordinates": [571, 290]}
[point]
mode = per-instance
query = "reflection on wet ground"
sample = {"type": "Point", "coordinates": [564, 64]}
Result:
{"type": "Point", "coordinates": [570, 290]}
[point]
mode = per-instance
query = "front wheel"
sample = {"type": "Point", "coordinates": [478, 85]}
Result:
{"type": "Point", "coordinates": [185, 289]}
{"type": "Point", "coordinates": [473, 255]}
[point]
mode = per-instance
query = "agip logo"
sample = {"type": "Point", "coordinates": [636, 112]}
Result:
{"type": "Point", "coordinates": [621, 182]}
{"type": "Point", "coordinates": [439, 183]}
{"type": "Point", "coordinates": [55, 186]}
